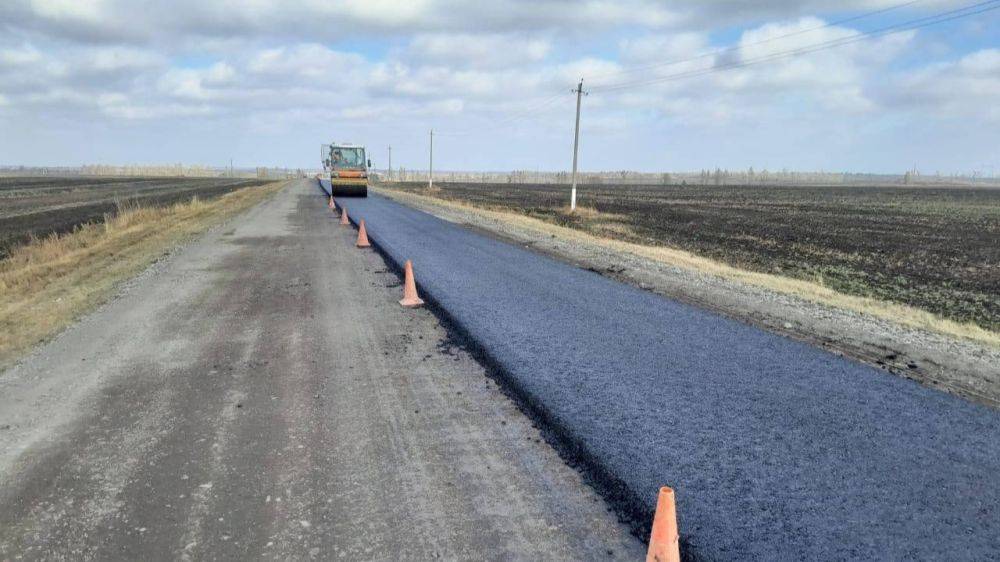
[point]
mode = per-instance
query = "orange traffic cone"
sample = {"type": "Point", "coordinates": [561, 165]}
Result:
{"type": "Point", "coordinates": [664, 542]}
{"type": "Point", "coordinates": [362, 235]}
{"type": "Point", "coordinates": [343, 216]}
{"type": "Point", "coordinates": [410, 298]}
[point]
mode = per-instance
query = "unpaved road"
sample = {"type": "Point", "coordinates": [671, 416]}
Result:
{"type": "Point", "coordinates": [260, 394]}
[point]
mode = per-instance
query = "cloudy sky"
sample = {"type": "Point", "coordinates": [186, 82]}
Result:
{"type": "Point", "coordinates": [265, 82]}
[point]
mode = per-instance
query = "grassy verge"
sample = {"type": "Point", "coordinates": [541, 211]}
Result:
{"type": "Point", "coordinates": [49, 282]}
{"type": "Point", "coordinates": [808, 290]}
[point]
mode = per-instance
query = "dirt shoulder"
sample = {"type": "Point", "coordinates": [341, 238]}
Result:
{"type": "Point", "coordinates": [962, 366]}
{"type": "Point", "coordinates": [47, 284]}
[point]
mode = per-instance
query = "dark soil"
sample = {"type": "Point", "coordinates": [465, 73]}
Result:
{"type": "Point", "coordinates": [37, 207]}
{"type": "Point", "coordinates": [935, 248]}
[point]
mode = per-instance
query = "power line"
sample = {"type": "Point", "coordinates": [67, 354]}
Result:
{"type": "Point", "coordinates": [895, 28]}
{"type": "Point", "coordinates": [917, 23]}
{"type": "Point", "coordinates": [726, 50]}
{"type": "Point", "coordinates": [510, 119]}
{"type": "Point", "coordinates": [942, 17]}
{"type": "Point", "coordinates": [532, 111]}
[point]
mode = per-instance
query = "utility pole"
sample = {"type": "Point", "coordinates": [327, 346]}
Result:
{"type": "Point", "coordinates": [430, 177]}
{"type": "Point", "coordinates": [390, 162]}
{"type": "Point", "coordinates": [576, 145]}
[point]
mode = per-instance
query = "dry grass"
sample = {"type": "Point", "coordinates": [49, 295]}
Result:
{"type": "Point", "coordinates": [588, 215]}
{"type": "Point", "coordinates": [590, 219]}
{"type": "Point", "coordinates": [811, 291]}
{"type": "Point", "coordinates": [614, 229]}
{"type": "Point", "coordinates": [581, 212]}
{"type": "Point", "coordinates": [49, 282]}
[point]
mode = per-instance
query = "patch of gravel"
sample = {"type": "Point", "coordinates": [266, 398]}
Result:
{"type": "Point", "coordinates": [961, 367]}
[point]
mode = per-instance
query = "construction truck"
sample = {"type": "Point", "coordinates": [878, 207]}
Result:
{"type": "Point", "coordinates": [346, 168]}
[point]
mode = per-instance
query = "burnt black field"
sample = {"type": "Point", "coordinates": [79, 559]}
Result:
{"type": "Point", "coordinates": [36, 206]}
{"type": "Point", "coordinates": [935, 248]}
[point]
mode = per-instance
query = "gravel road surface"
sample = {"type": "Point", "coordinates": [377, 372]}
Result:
{"type": "Point", "coordinates": [777, 450]}
{"type": "Point", "coordinates": [261, 394]}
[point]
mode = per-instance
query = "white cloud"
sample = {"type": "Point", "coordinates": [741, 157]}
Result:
{"type": "Point", "coordinates": [177, 22]}
{"type": "Point", "coordinates": [964, 89]}
{"type": "Point", "coordinates": [305, 61]}
{"type": "Point", "coordinates": [668, 46]}
{"type": "Point", "coordinates": [428, 82]}
{"type": "Point", "coordinates": [463, 65]}
{"type": "Point", "coordinates": [20, 56]}
{"type": "Point", "coordinates": [139, 112]}
{"type": "Point", "coordinates": [74, 11]}
{"type": "Point", "coordinates": [984, 63]}
{"type": "Point", "coordinates": [609, 12]}
{"type": "Point", "coordinates": [480, 51]}
{"type": "Point", "coordinates": [723, 13]}
{"type": "Point", "coordinates": [675, 77]}
{"type": "Point", "coordinates": [198, 84]}
{"type": "Point", "coordinates": [113, 59]}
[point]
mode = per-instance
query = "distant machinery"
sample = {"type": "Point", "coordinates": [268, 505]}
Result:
{"type": "Point", "coordinates": [346, 167]}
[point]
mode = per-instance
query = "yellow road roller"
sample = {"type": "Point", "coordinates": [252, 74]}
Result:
{"type": "Point", "coordinates": [346, 167]}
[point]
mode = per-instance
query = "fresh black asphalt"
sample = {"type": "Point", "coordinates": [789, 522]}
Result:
{"type": "Point", "coordinates": [777, 450]}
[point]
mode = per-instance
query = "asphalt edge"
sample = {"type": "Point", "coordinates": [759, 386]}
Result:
{"type": "Point", "coordinates": [626, 503]}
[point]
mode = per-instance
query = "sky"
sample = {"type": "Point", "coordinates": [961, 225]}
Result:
{"type": "Point", "coordinates": [266, 82]}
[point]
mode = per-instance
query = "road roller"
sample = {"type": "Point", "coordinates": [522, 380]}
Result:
{"type": "Point", "coordinates": [346, 167]}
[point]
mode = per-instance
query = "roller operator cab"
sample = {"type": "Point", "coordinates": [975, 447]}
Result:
{"type": "Point", "coordinates": [346, 167]}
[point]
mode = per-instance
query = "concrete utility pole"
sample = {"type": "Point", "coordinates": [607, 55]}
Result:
{"type": "Point", "coordinates": [430, 177]}
{"type": "Point", "coordinates": [576, 145]}
{"type": "Point", "coordinates": [390, 162]}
